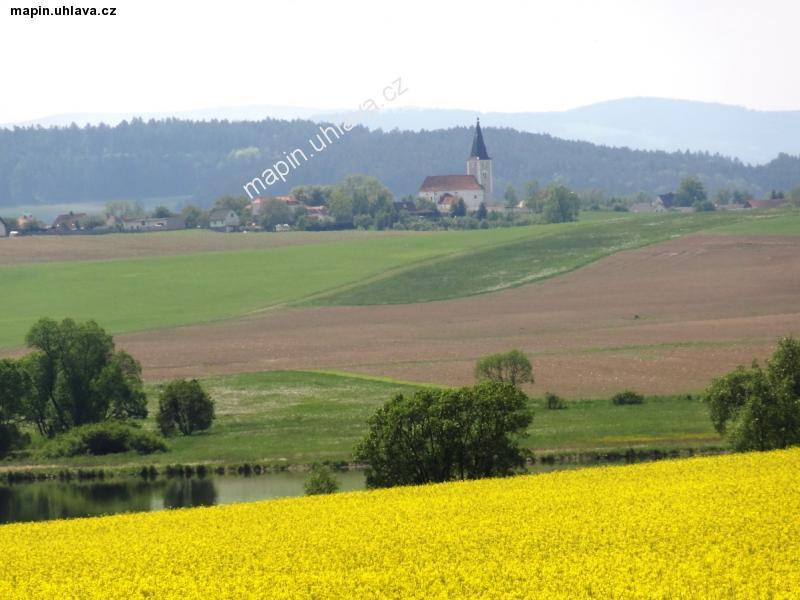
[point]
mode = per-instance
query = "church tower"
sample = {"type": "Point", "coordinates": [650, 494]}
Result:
{"type": "Point", "coordinates": [479, 164]}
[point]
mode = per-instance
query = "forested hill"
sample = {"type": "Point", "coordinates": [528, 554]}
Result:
{"type": "Point", "coordinates": [202, 160]}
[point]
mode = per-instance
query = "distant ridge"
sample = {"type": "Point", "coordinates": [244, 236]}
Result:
{"type": "Point", "coordinates": [640, 123]}
{"type": "Point", "coordinates": [198, 161]}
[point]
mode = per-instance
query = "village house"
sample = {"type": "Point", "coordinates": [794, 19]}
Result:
{"type": "Point", "coordinates": [27, 220]}
{"type": "Point", "coordinates": [446, 203]}
{"type": "Point", "coordinates": [767, 203]}
{"type": "Point", "coordinates": [68, 222]}
{"type": "Point", "coordinates": [258, 203]}
{"type": "Point", "coordinates": [224, 219]}
{"type": "Point", "coordinates": [316, 212]}
{"type": "Point", "coordinates": [656, 205]}
{"type": "Point", "coordinates": [666, 200]}
{"type": "Point", "coordinates": [475, 188]}
{"type": "Point", "coordinates": [154, 224]}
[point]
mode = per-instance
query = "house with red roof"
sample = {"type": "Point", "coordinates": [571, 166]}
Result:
{"type": "Point", "coordinates": [768, 203]}
{"type": "Point", "coordinates": [68, 222]}
{"type": "Point", "coordinates": [258, 203]}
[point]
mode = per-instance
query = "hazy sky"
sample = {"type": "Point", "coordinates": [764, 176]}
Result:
{"type": "Point", "coordinates": [490, 55]}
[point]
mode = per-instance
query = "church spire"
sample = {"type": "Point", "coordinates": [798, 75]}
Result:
{"type": "Point", "coordinates": [478, 147]}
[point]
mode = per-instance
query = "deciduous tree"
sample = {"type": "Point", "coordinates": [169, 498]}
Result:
{"type": "Point", "coordinates": [184, 405]}
{"type": "Point", "coordinates": [506, 367]}
{"type": "Point", "coordinates": [13, 387]}
{"type": "Point", "coordinates": [690, 192]}
{"type": "Point", "coordinates": [77, 377]}
{"type": "Point", "coordinates": [560, 204]}
{"type": "Point", "coordinates": [440, 435]}
{"type": "Point", "coordinates": [759, 408]}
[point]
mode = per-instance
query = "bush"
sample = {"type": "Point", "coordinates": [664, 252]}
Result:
{"type": "Point", "coordinates": [506, 367]}
{"type": "Point", "coordinates": [111, 437]}
{"type": "Point", "coordinates": [553, 402]}
{"type": "Point", "coordinates": [184, 405]}
{"type": "Point", "coordinates": [321, 480]}
{"type": "Point", "coordinates": [627, 397]}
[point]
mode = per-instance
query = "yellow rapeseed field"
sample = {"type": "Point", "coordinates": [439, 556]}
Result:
{"type": "Point", "coordinates": [724, 527]}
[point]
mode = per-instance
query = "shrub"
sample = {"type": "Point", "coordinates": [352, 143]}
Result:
{"type": "Point", "coordinates": [321, 480]}
{"type": "Point", "coordinates": [506, 367]}
{"type": "Point", "coordinates": [184, 405]}
{"type": "Point", "coordinates": [553, 402]}
{"type": "Point", "coordinates": [627, 397]}
{"type": "Point", "coordinates": [111, 437]}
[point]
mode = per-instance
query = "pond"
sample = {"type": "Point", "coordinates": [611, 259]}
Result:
{"type": "Point", "coordinates": [52, 499]}
{"type": "Point", "coordinates": [56, 499]}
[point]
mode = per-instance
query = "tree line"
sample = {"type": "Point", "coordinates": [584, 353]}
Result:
{"type": "Point", "coordinates": [199, 161]}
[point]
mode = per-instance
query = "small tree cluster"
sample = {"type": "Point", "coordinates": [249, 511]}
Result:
{"type": "Point", "coordinates": [185, 406]}
{"type": "Point", "coordinates": [560, 205]}
{"type": "Point", "coordinates": [440, 435]}
{"type": "Point", "coordinates": [759, 408]}
{"type": "Point", "coordinates": [73, 377]}
{"type": "Point", "coordinates": [505, 367]}
{"type": "Point", "coordinates": [690, 192]}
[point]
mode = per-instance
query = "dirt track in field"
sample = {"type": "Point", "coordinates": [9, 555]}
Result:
{"type": "Point", "coordinates": [662, 319]}
{"type": "Point", "coordinates": [49, 248]}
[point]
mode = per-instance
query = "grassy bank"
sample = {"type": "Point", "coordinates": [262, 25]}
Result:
{"type": "Point", "coordinates": [293, 417]}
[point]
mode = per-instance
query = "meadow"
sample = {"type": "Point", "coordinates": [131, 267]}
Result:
{"type": "Point", "coordinates": [301, 417]}
{"type": "Point", "coordinates": [721, 527]}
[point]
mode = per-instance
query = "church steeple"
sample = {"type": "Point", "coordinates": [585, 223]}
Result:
{"type": "Point", "coordinates": [479, 164]}
{"type": "Point", "coordinates": [478, 147]}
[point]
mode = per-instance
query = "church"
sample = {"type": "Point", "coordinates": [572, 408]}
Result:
{"type": "Point", "coordinates": [475, 188]}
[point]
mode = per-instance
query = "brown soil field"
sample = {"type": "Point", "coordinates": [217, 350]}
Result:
{"type": "Point", "coordinates": [662, 319]}
{"type": "Point", "coordinates": [49, 248]}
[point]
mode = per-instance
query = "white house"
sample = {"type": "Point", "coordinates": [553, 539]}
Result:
{"type": "Point", "coordinates": [154, 224]}
{"type": "Point", "coordinates": [224, 219]}
{"type": "Point", "coordinates": [475, 188]}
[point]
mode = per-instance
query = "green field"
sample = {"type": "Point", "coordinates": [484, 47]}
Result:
{"type": "Point", "coordinates": [766, 223]}
{"type": "Point", "coordinates": [525, 261]}
{"type": "Point", "coordinates": [152, 293]}
{"type": "Point", "coordinates": [298, 417]}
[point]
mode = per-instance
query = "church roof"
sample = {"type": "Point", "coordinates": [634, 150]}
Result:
{"type": "Point", "coordinates": [444, 183]}
{"type": "Point", "coordinates": [478, 147]}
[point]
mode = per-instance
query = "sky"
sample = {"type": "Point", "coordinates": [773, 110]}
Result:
{"type": "Point", "coordinates": [490, 55]}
